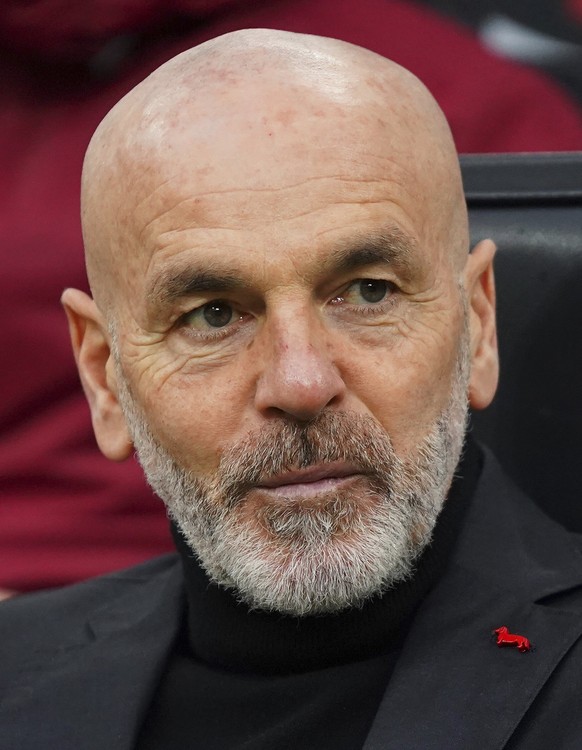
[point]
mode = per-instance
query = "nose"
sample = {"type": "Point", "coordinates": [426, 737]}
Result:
{"type": "Point", "coordinates": [299, 377]}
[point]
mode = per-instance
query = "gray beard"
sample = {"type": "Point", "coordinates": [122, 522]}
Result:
{"type": "Point", "coordinates": [316, 556]}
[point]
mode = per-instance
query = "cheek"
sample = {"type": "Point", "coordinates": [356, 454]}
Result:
{"type": "Point", "coordinates": [405, 387]}
{"type": "Point", "coordinates": [197, 418]}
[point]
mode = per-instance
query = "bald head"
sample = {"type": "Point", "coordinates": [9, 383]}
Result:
{"type": "Point", "coordinates": [252, 111]}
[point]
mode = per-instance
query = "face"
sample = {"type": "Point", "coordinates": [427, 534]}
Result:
{"type": "Point", "coordinates": [291, 353]}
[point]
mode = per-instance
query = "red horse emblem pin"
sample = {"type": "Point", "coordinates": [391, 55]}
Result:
{"type": "Point", "coordinates": [505, 638]}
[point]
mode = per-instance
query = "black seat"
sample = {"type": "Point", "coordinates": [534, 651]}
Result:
{"type": "Point", "coordinates": [531, 205]}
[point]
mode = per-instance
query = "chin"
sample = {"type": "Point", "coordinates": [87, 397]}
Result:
{"type": "Point", "coordinates": [305, 558]}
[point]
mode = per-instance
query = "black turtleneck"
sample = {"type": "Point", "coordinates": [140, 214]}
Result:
{"type": "Point", "coordinates": [262, 681]}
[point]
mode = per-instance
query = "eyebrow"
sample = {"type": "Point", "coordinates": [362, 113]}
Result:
{"type": "Point", "coordinates": [391, 247]}
{"type": "Point", "coordinates": [173, 285]}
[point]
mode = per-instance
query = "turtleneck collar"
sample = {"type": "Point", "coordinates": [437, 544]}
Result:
{"type": "Point", "coordinates": [226, 634]}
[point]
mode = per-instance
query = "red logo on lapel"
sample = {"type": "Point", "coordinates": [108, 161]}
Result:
{"type": "Point", "coordinates": [505, 638]}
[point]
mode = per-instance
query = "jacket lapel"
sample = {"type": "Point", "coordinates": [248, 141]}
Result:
{"type": "Point", "coordinates": [101, 682]}
{"type": "Point", "coordinates": [453, 686]}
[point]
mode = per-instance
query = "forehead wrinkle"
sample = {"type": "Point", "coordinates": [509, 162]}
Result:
{"type": "Point", "coordinates": [203, 201]}
{"type": "Point", "coordinates": [198, 196]}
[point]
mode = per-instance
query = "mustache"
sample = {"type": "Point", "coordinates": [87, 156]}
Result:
{"type": "Point", "coordinates": [286, 446]}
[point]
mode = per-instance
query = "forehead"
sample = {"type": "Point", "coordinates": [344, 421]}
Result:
{"type": "Point", "coordinates": [281, 224]}
{"type": "Point", "coordinates": [272, 134]}
{"type": "Point", "coordinates": [281, 188]}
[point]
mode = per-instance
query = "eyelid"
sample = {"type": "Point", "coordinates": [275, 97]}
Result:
{"type": "Point", "coordinates": [190, 306]}
{"type": "Point", "coordinates": [355, 312]}
{"type": "Point", "coordinates": [209, 333]}
{"type": "Point", "coordinates": [391, 285]}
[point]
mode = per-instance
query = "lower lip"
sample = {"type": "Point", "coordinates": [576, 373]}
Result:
{"type": "Point", "coordinates": [310, 489]}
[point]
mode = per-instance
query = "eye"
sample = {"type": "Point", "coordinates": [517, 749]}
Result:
{"type": "Point", "coordinates": [215, 314]}
{"type": "Point", "coordinates": [372, 290]}
{"type": "Point", "coordinates": [365, 291]}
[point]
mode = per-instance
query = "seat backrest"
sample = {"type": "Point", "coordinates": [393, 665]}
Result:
{"type": "Point", "coordinates": [531, 205]}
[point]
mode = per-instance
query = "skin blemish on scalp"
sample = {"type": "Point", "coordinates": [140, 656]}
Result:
{"type": "Point", "coordinates": [286, 116]}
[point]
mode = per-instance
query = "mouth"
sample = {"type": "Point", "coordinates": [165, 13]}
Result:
{"type": "Point", "coordinates": [311, 481]}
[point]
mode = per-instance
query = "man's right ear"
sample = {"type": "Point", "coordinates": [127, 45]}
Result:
{"type": "Point", "coordinates": [91, 347]}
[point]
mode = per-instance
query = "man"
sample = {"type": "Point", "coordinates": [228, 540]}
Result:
{"type": "Point", "coordinates": [287, 327]}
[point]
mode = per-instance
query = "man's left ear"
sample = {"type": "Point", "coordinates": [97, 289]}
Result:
{"type": "Point", "coordinates": [479, 284]}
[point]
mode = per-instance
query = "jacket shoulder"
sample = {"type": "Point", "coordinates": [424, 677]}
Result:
{"type": "Point", "coordinates": [43, 618]}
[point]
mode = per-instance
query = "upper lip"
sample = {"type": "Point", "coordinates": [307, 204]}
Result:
{"type": "Point", "coordinates": [335, 470]}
